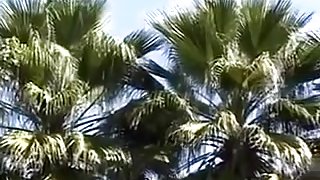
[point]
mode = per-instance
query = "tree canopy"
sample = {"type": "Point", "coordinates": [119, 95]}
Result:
{"type": "Point", "coordinates": [233, 102]}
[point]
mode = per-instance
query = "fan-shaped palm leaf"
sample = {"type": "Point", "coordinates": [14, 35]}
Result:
{"type": "Point", "coordinates": [18, 18]}
{"type": "Point", "coordinates": [35, 149]}
{"type": "Point", "coordinates": [77, 18]}
{"type": "Point", "coordinates": [263, 22]}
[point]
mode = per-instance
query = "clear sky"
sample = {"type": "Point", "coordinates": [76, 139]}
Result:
{"type": "Point", "coordinates": [129, 15]}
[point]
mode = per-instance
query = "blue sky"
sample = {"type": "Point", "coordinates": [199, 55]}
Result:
{"type": "Point", "coordinates": [129, 15]}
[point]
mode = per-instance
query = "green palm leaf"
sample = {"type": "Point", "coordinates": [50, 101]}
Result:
{"type": "Point", "coordinates": [224, 15]}
{"type": "Point", "coordinates": [160, 100]}
{"type": "Point", "coordinates": [50, 102]}
{"type": "Point", "coordinates": [103, 60]}
{"type": "Point", "coordinates": [34, 148]}
{"type": "Point", "coordinates": [87, 155]}
{"type": "Point", "coordinates": [267, 27]}
{"type": "Point", "coordinates": [293, 150]}
{"type": "Point", "coordinates": [144, 41]}
{"type": "Point", "coordinates": [289, 111]}
{"type": "Point", "coordinates": [304, 64]}
{"type": "Point", "coordinates": [18, 18]}
{"type": "Point", "coordinates": [192, 36]}
{"type": "Point", "coordinates": [194, 132]}
{"type": "Point", "coordinates": [77, 17]}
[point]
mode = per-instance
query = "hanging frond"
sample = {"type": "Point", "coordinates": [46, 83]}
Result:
{"type": "Point", "coordinates": [307, 65]}
{"type": "Point", "coordinates": [193, 132]}
{"type": "Point", "coordinates": [51, 101]}
{"type": "Point", "coordinates": [293, 152]}
{"type": "Point", "coordinates": [302, 115]}
{"type": "Point", "coordinates": [88, 156]}
{"type": "Point", "coordinates": [66, 66]}
{"type": "Point", "coordinates": [103, 61]}
{"type": "Point", "coordinates": [34, 148]}
{"type": "Point", "coordinates": [223, 124]}
{"type": "Point", "coordinates": [35, 54]}
{"type": "Point", "coordinates": [10, 47]}
{"type": "Point", "coordinates": [161, 100]}
{"type": "Point", "coordinates": [290, 154]}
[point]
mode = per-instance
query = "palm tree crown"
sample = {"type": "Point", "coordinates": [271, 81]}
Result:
{"type": "Point", "coordinates": [236, 72]}
{"type": "Point", "coordinates": [58, 64]}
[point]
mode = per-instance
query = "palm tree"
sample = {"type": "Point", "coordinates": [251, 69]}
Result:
{"type": "Point", "coordinates": [236, 78]}
{"type": "Point", "coordinates": [57, 65]}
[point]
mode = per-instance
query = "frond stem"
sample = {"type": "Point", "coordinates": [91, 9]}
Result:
{"type": "Point", "coordinates": [89, 107]}
{"type": "Point", "coordinates": [15, 128]}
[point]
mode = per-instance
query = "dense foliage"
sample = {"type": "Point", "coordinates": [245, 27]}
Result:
{"type": "Point", "coordinates": [57, 65]}
{"type": "Point", "coordinates": [239, 76]}
{"type": "Point", "coordinates": [235, 101]}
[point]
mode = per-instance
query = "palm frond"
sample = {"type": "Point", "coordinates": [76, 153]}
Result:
{"type": "Point", "coordinates": [65, 66]}
{"type": "Point", "coordinates": [192, 132]}
{"type": "Point", "coordinates": [195, 40]}
{"type": "Point", "coordinates": [161, 100]}
{"type": "Point", "coordinates": [264, 151]}
{"type": "Point", "coordinates": [144, 42]}
{"type": "Point", "coordinates": [139, 78]}
{"type": "Point", "coordinates": [302, 115]}
{"type": "Point", "coordinates": [293, 151]}
{"type": "Point", "coordinates": [223, 124]}
{"type": "Point", "coordinates": [237, 71]}
{"type": "Point", "coordinates": [173, 76]}
{"type": "Point", "coordinates": [104, 61]}
{"type": "Point", "coordinates": [267, 27]}
{"type": "Point", "coordinates": [34, 149]}
{"type": "Point", "coordinates": [230, 154]}
{"type": "Point", "coordinates": [87, 155]}
{"type": "Point", "coordinates": [87, 102]}
{"type": "Point", "coordinates": [283, 151]}
{"type": "Point", "coordinates": [154, 158]}
{"type": "Point", "coordinates": [52, 102]}
{"type": "Point", "coordinates": [77, 17]}
{"type": "Point", "coordinates": [154, 68]}
{"type": "Point", "coordinates": [306, 67]}
{"type": "Point", "coordinates": [224, 14]}
{"type": "Point", "coordinates": [262, 74]}
{"type": "Point", "coordinates": [21, 59]}
{"type": "Point", "coordinates": [19, 17]}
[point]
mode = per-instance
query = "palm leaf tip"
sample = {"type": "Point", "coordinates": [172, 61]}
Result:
{"type": "Point", "coordinates": [144, 42]}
